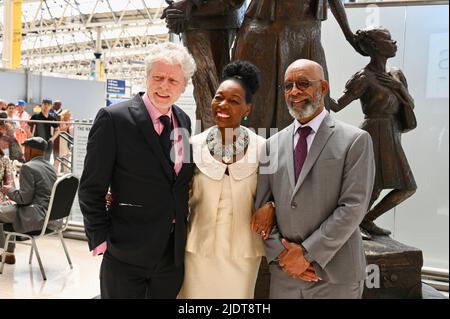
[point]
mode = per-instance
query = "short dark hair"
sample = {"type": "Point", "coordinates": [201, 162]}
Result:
{"type": "Point", "coordinates": [47, 101]}
{"type": "Point", "coordinates": [244, 73]}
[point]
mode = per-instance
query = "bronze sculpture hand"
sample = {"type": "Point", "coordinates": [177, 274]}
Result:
{"type": "Point", "coordinates": [389, 81]}
{"type": "Point", "coordinates": [177, 14]}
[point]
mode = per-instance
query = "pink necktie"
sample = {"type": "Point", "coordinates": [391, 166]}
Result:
{"type": "Point", "coordinates": [301, 150]}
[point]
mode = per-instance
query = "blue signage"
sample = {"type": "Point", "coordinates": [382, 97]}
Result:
{"type": "Point", "coordinates": [115, 87]}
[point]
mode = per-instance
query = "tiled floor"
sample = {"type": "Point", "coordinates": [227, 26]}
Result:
{"type": "Point", "coordinates": [81, 282]}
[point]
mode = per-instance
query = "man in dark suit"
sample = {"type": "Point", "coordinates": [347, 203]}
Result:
{"type": "Point", "coordinates": [139, 149]}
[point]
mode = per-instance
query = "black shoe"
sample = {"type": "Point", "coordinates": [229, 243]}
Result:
{"type": "Point", "coordinates": [370, 228]}
{"type": "Point", "coordinates": [10, 259]}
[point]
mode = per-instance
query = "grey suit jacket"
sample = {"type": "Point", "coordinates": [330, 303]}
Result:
{"type": "Point", "coordinates": [36, 182]}
{"type": "Point", "coordinates": [323, 210]}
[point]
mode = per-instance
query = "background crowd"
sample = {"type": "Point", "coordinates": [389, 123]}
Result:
{"type": "Point", "coordinates": [17, 125]}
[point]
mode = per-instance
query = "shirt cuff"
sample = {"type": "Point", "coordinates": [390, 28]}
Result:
{"type": "Point", "coordinates": [307, 256]}
{"type": "Point", "coordinates": [100, 249]}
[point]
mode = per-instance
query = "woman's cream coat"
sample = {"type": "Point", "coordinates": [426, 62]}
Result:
{"type": "Point", "coordinates": [205, 195]}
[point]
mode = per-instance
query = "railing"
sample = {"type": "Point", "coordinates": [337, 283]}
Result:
{"type": "Point", "coordinates": [66, 161]}
{"type": "Point", "coordinates": [436, 278]}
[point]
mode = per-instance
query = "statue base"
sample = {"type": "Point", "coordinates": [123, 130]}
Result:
{"type": "Point", "coordinates": [399, 275]}
{"type": "Point", "coordinates": [400, 269]}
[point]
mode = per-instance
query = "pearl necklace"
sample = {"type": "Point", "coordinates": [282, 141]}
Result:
{"type": "Point", "coordinates": [229, 151]}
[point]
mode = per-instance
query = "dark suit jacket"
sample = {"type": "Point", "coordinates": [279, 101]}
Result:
{"type": "Point", "coordinates": [124, 153]}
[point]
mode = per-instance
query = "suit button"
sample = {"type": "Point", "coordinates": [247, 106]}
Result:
{"type": "Point", "coordinates": [294, 205]}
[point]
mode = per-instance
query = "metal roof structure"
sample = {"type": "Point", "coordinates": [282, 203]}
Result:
{"type": "Point", "coordinates": [61, 36]}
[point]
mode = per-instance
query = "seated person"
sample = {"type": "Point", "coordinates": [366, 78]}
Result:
{"type": "Point", "coordinates": [37, 177]}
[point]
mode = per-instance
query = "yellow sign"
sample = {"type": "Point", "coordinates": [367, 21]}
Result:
{"type": "Point", "coordinates": [17, 34]}
{"type": "Point", "coordinates": [102, 71]}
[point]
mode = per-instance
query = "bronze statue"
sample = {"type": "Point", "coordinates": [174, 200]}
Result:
{"type": "Point", "coordinates": [273, 35]}
{"type": "Point", "coordinates": [208, 29]}
{"type": "Point", "coordinates": [388, 110]}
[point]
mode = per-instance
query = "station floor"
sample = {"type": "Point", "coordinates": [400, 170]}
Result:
{"type": "Point", "coordinates": [24, 281]}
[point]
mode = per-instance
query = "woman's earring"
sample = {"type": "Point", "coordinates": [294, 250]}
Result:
{"type": "Point", "coordinates": [246, 118]}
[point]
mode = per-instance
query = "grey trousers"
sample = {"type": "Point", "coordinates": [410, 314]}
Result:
{"type": "Point", "coordinates": [283, 286]}
{"type": "Point", "coordinates": [7, 216]}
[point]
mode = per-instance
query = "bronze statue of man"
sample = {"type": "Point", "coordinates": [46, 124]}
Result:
{"type": "Point", "coordinates": [273, 35]}
{"type": "Point", "coordinates": [208, 28]}
{"type": "Point", "coordinates": [388, 112]}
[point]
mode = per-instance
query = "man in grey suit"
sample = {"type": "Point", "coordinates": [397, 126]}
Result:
{"type": "Point", "coordinates": [37, 177]}
{"type": "Point", "coordinates": [319, 173]}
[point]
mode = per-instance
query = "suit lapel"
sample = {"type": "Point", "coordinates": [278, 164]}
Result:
{"type": "Point", "coordinates": [140, 115]}
{"type": "Point", "coordinates": [325, 131]}
{"type": "Point", "coordinates": [289, 140]}
{"type": "Point", "coordinates": [182, 123]}
{"type": "Point", "coordinates": [185, 132]}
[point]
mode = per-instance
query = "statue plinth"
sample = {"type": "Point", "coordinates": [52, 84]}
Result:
{"type": "Point", "coordinates": [399, 267]}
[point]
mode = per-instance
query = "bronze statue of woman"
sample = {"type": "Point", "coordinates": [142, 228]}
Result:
{"type": "Point", "coordinates": [388, 109]}
{"type": "Point", "coordinates": [208, 28]}
{"type": "Point", "coordinates": [274, 34]}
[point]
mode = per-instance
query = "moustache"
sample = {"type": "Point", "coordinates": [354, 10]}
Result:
{"type": "Point", "coordinates": [303, 98]}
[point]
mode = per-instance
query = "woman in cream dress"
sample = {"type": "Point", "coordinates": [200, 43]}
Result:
{"type": "Point", "coordinates": [222, 253]}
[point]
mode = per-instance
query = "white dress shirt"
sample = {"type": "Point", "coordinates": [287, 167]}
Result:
{"type": "Point", "coordinates": [314, 124]}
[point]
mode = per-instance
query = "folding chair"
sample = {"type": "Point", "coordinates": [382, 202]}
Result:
{"type": "Point", "coordinates": [60, 205]}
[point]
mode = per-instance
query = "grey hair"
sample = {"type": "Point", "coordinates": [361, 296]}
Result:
{"type": "Point", "coordinates": [171, 53]}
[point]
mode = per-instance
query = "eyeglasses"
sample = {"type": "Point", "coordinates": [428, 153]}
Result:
{"type": "Point", "coordinates": [301, 84]}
